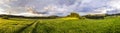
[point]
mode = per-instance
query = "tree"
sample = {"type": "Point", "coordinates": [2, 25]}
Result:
{"type": "Point", "coordinates": [73, 14]}
{"type": "Point", "coordinates": [96, 16]}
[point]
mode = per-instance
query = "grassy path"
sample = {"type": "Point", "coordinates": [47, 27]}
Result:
{"type": "Point", "coordinates": [29, 28]}
{"type": "Point", "coordinates": [35, 28]}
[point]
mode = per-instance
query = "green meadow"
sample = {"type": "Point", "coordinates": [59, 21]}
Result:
{"type": "Point", "coordinates": [60, 25]}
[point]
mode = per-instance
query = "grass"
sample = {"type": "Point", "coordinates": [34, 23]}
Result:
{"type": "Point", "coordinates": [62, 25]}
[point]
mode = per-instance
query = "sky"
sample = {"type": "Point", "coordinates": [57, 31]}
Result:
{"type": "Point", "coordinates": [59, 7]}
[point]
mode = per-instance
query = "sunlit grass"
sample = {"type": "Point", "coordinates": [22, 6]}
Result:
{"type": "Point", "coordinates": [69, 18]}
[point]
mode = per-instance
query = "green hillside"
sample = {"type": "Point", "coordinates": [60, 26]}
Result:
{"type": "Point", "coordinates": [60, 25]}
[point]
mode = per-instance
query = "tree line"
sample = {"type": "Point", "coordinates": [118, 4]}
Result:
{"type": "Point", "coordinates": [72, 14]}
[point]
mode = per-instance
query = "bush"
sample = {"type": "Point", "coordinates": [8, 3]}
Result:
{"type": "Point", "coordinates": [5, 17]}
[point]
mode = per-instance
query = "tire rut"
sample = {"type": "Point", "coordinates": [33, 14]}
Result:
{"type": "Point", "coordinates": [34, 29]}
{"type": "Point", "coordinates": [22, 29]}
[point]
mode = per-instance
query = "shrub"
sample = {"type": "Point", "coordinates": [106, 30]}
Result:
{"type": "Point", "coordinates": [5, 17]}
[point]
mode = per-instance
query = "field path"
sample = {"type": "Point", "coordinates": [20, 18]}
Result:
{"type": "Point", "coordinates": [29, 28]}
{"type": "Point", "coordinates": [35, 28]}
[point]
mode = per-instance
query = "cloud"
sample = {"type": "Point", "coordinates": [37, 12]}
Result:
{"type": "Point", "coordinates": [59, 7]}
{"type": "Point", "coordinates": [1, 11]}
{"type": "Point", "coordinates": [29, 14]}
{"type": "Point", "coordinates": [113, 7]}
{"type": "Point", "coordinates": [114, 4]}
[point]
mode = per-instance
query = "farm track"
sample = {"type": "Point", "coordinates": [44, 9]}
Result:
{"type": "Point", "coordinates": [35, 28]}
{"type": "Point", "coordinates": [34, 24]}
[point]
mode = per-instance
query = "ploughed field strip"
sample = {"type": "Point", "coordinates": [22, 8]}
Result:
{"type": "Point", "coordinates": [107, 25]}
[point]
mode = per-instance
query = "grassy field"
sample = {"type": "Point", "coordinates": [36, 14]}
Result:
{"type": "Point", "coordinates": [61, 25]}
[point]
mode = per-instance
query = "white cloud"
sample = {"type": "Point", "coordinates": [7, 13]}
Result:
{"type": "Point", "coordinates": [1, 11]}
{"type": "Point", "coordinates": [29, 14]}
{"type": "Point", "coordinates": [114, 4]}
{"type": "Point", "coordinates": [55, 9]}
{"type": "Point", "coordinates": [6, 1]}
{"type": "Point", "coordinates": [102, 10]}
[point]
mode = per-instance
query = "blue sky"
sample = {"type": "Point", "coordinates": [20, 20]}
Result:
{"type": "Point", "coordinates": [59, 7]}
